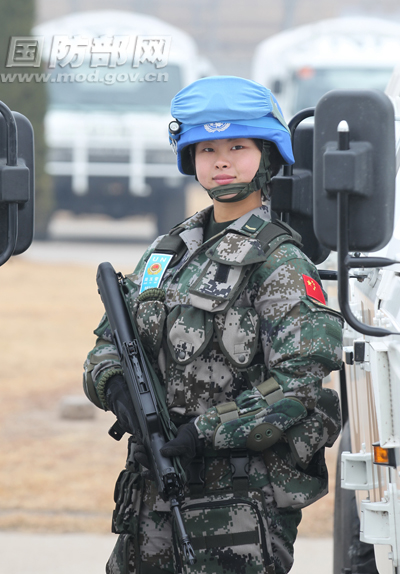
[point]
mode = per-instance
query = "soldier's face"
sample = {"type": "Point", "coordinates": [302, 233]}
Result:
{"type": "Point", "coordinates": [220, 162]}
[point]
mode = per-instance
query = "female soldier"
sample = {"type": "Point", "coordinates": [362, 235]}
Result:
{"type": "Point", "coordinates": [237, 326]}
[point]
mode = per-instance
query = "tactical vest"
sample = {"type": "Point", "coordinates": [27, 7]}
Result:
{"type": "Point", "coordinates": [270, 235]}
{"type": "Point", "coordinates": [264, 237]}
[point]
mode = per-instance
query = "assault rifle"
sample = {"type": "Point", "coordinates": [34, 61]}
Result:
{"type": "Point", "coordinates": [143, 393]}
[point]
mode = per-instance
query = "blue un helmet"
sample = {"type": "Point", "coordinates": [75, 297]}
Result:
{"type": "Point", "coordinates": [222, 107]}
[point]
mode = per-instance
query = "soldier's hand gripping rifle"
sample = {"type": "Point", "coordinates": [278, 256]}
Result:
{"type": "Point", "coordinates": [144, 397]}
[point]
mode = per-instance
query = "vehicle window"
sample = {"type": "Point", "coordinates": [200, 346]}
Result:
{"type": "Point", "coordinates": [119, 88]}
{"type": "Point", "coordinates": [311, 84]}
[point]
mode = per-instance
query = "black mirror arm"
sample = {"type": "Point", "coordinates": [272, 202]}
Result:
{"type": "Point", "coordinates": [345, 262]}
{"type": "Point", "coordinates": [11, 127]}
{"type": "Point", "coordinates": [12, 233]}
{"type": "Point", "coordinates": [292, 125]}
{"type": "Point", "coordinates": [12, 159]}
{"type": "Point", "coordinates": [360, 262]}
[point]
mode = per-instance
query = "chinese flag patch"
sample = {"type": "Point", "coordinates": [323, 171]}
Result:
{"type": "Point", "coordinates": [313, 289]}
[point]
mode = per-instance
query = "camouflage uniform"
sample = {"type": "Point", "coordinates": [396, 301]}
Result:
{"type": "Point", "coordinates": [231, 320]}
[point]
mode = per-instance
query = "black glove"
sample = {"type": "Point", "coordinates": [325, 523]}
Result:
{"type": "Point", "coordinates": [120, 403]}
{"type": "Point", "coordinates": [140, 455]}
{"type": "Point", "coordinates": [186, 444]}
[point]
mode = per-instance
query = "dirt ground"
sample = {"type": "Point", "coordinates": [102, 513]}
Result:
{"type": "Point", "coordinates": [58, 475]}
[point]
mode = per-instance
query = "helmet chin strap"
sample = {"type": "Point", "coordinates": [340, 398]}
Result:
{"type": "Point", "coordinates": [241, 191]}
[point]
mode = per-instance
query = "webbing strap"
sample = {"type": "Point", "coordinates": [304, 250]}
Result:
{"type": "Point", "coordinates": [239, 460]}
{"type": "Point", "coordinates": [195, 476]}
{"type": "Point", "coordinates": [274, 397]}
{"type": "Point", "coordinates": [225, 540]}
{"type": "Point", "coordinates": [274, 230]}
{"type": "Point", "coordinates": [227, 411]}
{"type": "Point", "coordinates": [173, 243]}
{"type": "Point", "coordinates": [271, 391]}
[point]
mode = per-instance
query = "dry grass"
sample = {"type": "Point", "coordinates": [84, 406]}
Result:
{"type": "Point", "coordinates": [58, 475]}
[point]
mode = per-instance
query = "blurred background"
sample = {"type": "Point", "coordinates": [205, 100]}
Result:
{"type": "Point", "coordinates": [106, 185]}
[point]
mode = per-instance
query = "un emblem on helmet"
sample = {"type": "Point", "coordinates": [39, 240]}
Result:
{"type": "Point", "coordinates": [216, 127]}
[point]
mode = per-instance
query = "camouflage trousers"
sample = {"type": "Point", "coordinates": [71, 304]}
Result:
{"type": "Point", "coordinates": [151, 546]}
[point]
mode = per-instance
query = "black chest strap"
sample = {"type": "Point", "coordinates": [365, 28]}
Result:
{"type": "Point", "coordinates": [280, 231]}
{"type": "Point", "coordinates": [173, 244]}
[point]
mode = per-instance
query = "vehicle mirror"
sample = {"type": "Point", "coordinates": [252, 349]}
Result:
{"type": "Point", "coordinates": [364, 172]}
{"type": "Point", "coordinates": [16, 183]}
{"type": "Point", "coordinates": [354, 184]}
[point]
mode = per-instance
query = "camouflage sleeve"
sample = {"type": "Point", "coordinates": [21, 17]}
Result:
{"type": "Point", "coordinates": [301, 340]}
{"type": "Point", "coordinates": [301, 337]}
{"type": "Point", "coordinates": [250, 421]}
{"type": "Point", "coordinates": [101, 364]}
{"type": "Point", "coordinates": [102, 361]}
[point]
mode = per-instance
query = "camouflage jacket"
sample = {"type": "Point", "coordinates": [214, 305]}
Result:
{"type": "Point", "coordinates": [235, 329]}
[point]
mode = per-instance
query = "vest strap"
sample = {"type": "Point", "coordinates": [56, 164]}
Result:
{"type": "Point", "coordinates": [227, 411]}
{"type": "Point", "coordinates": [239, 460]}
{"type": "Point", "coordinates": [173, 244]}
{"type": "Point", "coordinates": [271, 391]}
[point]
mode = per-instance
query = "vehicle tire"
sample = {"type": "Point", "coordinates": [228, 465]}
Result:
{"type": "Point", "coordinates": [350, 555]}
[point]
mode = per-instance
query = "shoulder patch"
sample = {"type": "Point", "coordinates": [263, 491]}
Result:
{"type": "Point", "coordinates": [253, 225]}
{"type": "Point", "coordinates": [313, 289]}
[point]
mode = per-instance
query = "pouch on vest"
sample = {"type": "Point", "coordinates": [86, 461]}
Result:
{"type": "Point", "coordinates": [230, 262]}
{"type": "Point", "coordinates": [150, 320]}
{"type": "Point", "coordinates": [237, 332]}
{"type": "Point", "coordinates": [228, 534]}
{"type": "Point", "coordinates": [189, 331]}
{"type": "Point", "coordinates": [127, 495]}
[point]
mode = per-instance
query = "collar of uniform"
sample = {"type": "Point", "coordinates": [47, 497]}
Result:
{"type": "Point", "coordinates": [193, 229]}
{"type": "Point", "coordinates": [238, 246]}
{"type": "Point", "coordinates": [198, 220]}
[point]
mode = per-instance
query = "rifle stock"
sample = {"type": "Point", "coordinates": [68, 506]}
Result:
{"type": "Point", "coordinates": [141, 389]}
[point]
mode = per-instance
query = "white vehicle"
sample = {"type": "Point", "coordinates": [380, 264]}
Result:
{"type": "Point", "coordinates": [347, 172]}
{"type": "Point", "coordinates": [108, 112]}
{"type": "Point", "coordinates": [301, 64]}
{"type": "Point", "coordinates": [369, 469]}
